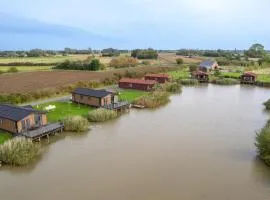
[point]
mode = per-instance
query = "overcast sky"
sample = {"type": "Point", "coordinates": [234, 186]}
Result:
{"type": "Point", "coordinates": [157, 23]}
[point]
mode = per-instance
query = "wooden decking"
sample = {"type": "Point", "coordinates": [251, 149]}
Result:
{"type": "Point", "coordinates": [44, 131]}
{"type": "Point", "coordinates": [122, 105]}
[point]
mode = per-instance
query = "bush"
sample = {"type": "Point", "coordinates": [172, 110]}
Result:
{"type": "Point", "coordinates": [18, 151]}
{"type": "Point", "coordinates": [189, 82]}
{"type": "Point", "coordinates": [193, 68]}
{"type": "Point", "coordinates": [267, 104]}
{"type": "Point", "coordinates": [172, 87]}
{"type": "Point", "coordinates": [122, 62]}
{"type": "Point", "coordinates": [2, 72]}
{"type": "Point", "coordinates": [153, 100]}
{"type": "Point", "coordinates": [12, 70]}
{"type": "Point", "coordinates": [101, 115]}
{"type": "Point", "coordinates": [179, 61]}
{"type": "Point", "coordinates": [144, 53]}
{"type": "Point", "coordinates": [87, 65]}
{"type": "Point", "coordinates": [263, 143]}
{"type": "Point", "coordinates": [225, 81]}
{"type": "Point", "coordinates": [75, 124]}
{"type": "Point", "coordinates": [146, 62]}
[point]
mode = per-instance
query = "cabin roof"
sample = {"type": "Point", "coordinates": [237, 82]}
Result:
{"type": "Point", "coordinates": [157, 75]}
{"type": "Point", "coordinates": [16, 113]}
{"type": "Point", "coordinates": [207, 63]}
{"type": "Point", "coordinates": [138, 81]}
{"type": "Point", "coordinates": [91, 92]}
{"type": "Point", "coordinates": [249, 74]}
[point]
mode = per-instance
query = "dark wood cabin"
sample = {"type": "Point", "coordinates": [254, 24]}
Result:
{"type": "Point", "coordinates": [160, 78]}
{"type": "Point", "coordinates": [201, 76]}
{"type": "Point", "coordinates": [137, 84]}
{"type": "Point", "coordinates": [17, 120]}
{"type": "Point", "coordinates": [248, 78]}
{"type": "Point", "coordinates": [95, 98]}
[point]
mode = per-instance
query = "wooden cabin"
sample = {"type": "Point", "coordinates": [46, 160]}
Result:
{"type": "Point", "coordinates": [208, 65]}
{"type": "Point", "coordinates": [160, 78]}
{"type": "Point", "coordinates": [248, 78]}
{"type": "Point", "coordinates": [95, 98]}
{"type": "Point", "coordinates": [201, 76]}
{"type": "Point", "coordinates": [17, 120]}
{"type": "Point", "coordinates": [137, 84]}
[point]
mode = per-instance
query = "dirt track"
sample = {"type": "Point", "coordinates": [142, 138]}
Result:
{"type": "Point", "coordinates": [32, 81]}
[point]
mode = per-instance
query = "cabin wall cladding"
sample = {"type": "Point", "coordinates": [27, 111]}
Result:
{"type": "Point", "coordinates": [8, 125]}
{"type": "Point", "coordinates": [86, 100]}
{"type": "Point", "coordinates": [135, 86]}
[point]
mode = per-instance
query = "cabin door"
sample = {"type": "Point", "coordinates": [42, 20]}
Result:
{"type": "Point", "coordinates": [26, 125]}
{"type": "Point", "coordinates": [38, 120]}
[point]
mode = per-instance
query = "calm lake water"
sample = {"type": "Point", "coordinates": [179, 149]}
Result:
{"type": "Point", "coordinates": [198, 147]}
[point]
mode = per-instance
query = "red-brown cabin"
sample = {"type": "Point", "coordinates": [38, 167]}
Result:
{"type": "Point", "coordinates": [160, 78]}
{"type": "Point", "coordinates": [201, 76]}
{"type": "Point", "coordinates": [248, 78]}
{"type": "Point", "coordinates": [136, 84]}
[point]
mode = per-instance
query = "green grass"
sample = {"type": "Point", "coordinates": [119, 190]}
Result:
{"type": "Point", "coordinates": [263, 78]}
{"type": "Point", "coordinates": [4, 137]}
{"type": "Point", "coordinates": [27, 68]}
{"type": "Point", "coordinates": [131, 95]}
{"type": "Point", "coordinates": [179, 74]}
{"type": "Point", "coordinates": [64, 109]}
{"type": "Point", "coordinates": [235, 75]}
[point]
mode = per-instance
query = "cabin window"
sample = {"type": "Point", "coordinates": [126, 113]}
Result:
{"type": "Point", "coordinates": [81, 96]}
{"type": "Point", "coordinates": [1, 121]}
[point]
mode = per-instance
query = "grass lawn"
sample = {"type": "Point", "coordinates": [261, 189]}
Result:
{"type": "Point", "coordinates": [27, 68]}
{"type": "Point", "coordinates": [263, 78]}
{"type": "Point", "coordinates": [235, 75]}
{"type": "Point", "coordinates": [180, 74]}
{"type": "Point", "coordinates": [64, 109]}
{"type": "Point", "coordinates": [4, 137]}
{"type": "Point", "coordinates": [131, 95]}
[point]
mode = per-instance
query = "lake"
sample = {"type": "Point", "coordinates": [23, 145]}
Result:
{"type": "Point", "coordinates": [200, 146]}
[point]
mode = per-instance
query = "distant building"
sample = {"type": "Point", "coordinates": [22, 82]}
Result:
{"type": "Point", "coordinates": [208, 65]}
{"type": "Point", "coordinates": [95, 98]}
{"type": "Point", "coordinates": [248, 78]}
{"type": "Point", "coordinates": [137, 84]}
{"type": "Point", "coordinates": [201, 76]}
{"type": "Point", "coordinates": [160, 78]}
{"type": "Point", "coordinates": [15, 119]}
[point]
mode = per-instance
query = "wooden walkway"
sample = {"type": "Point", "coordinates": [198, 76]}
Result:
{"type": "Point", "coordinates": [44, 131]}
{"type": "Point", "coordinates": [122, 105]}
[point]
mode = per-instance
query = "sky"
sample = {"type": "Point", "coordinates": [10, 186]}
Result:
{"type": "Point", "coordinates": [161, 24]}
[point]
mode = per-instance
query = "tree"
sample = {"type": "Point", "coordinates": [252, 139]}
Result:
{"type": "Point", "coordinates": [179, 61]}
{"type": "Point", "coordinates": [256, 51]}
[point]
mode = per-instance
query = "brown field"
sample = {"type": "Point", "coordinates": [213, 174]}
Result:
{"type": "Point", "coordinates": [33, 81]}
{"type": "Point", "coordinates": [171, 58]}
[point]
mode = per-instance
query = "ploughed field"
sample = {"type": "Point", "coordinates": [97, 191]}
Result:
{"type": "Point", "coordinates": [33, 81]}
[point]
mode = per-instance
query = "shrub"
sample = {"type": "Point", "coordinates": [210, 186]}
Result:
{"type": "Point", "coordinates": [2, 72]}
{"type": "Point", "coordinates": [75, 124]}
{"type": "Point", "coordinates": [263, 143]}
{"type": "Point", "coordinates": [144, 53]}
{"type": "Point", "coordinates": [146, 62]}
{"type": "Point", "coordinates": [122, 62]}
{"type": "Point", "coordinates": [88, 65]}
{"type": "Point", "coordinates": [189, 82]}
{"type": "Point", "coordinates": [267, 104]}
{"type": "Point", "coordinates": [154, 99]}
{"type": "Point", "coordinates": [179, 61]}
{"type": "Point", "coordinates": [226, 81]}
{"type": "Point", "coordinates": [12, 70]}
{"type": "Point", "coordinates": [18, 151]}
{"type": "Point", "coordinates": [172, 87]}
{"type": "Point", "coordinates": [193, 68]}
{"type": "Point", "coordinates": [101, 115]}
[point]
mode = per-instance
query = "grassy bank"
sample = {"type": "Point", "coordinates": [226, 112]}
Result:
{"type": "Point", "coordinates": [225, 81]}
{"type": "Point", "coordinates": [179, 74]}
{"type": "Point", "coordinates": [64, 109]}
{"type": "Point", "coordinates": [4, 137]}
{"type": "Point", "coordinates": [75, 124]}
{"type": "Point", "coordinates": [263, 143]}
{"type": "Point", "coordinates": [153, 100]}
{"type": "Point", "coordinates": [267, 105]}
{"type": "Point", "coordinates": [131, 95]}
{"type": "Point", "coordinates": [189, 81]}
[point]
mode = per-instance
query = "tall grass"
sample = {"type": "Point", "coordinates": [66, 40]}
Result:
{"type": "Point", "coordinates": [267, 104]}
{"type": "Point", "coordinates": [263, 143]}
{"type": "Point", "coordinates": [226, 81]}
{"type": "Point", "coordinates": [101, 115]}
{"type": "Point", "coordinates": [172, 87]}
{"type": "Point", "coordinates": [18, 151]}
{"type": "Point", "coordinates": [189, 82]}
{"type": "Point", "coordinates": [75, 124]}
{"type": "Point", "coordinates": [154, 100]}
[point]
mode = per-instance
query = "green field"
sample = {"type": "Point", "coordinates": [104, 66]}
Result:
{"type": "Point", "coordinates": [235, 75]}
{"type": "Point", "coordinates": [49, 59]}
{"type": "Point", "coordinates": [4, 137]}
{"type": "Point", "coordinates": [64, 109]}
{"type": "Point", "coordinates": [131, 95]}
{"type": "Point", "coordinates": [26, 68]}
{"type": "Point", "coordinates": [265, 78]}
{"type": "Point", "coordinates": [180, 74]}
